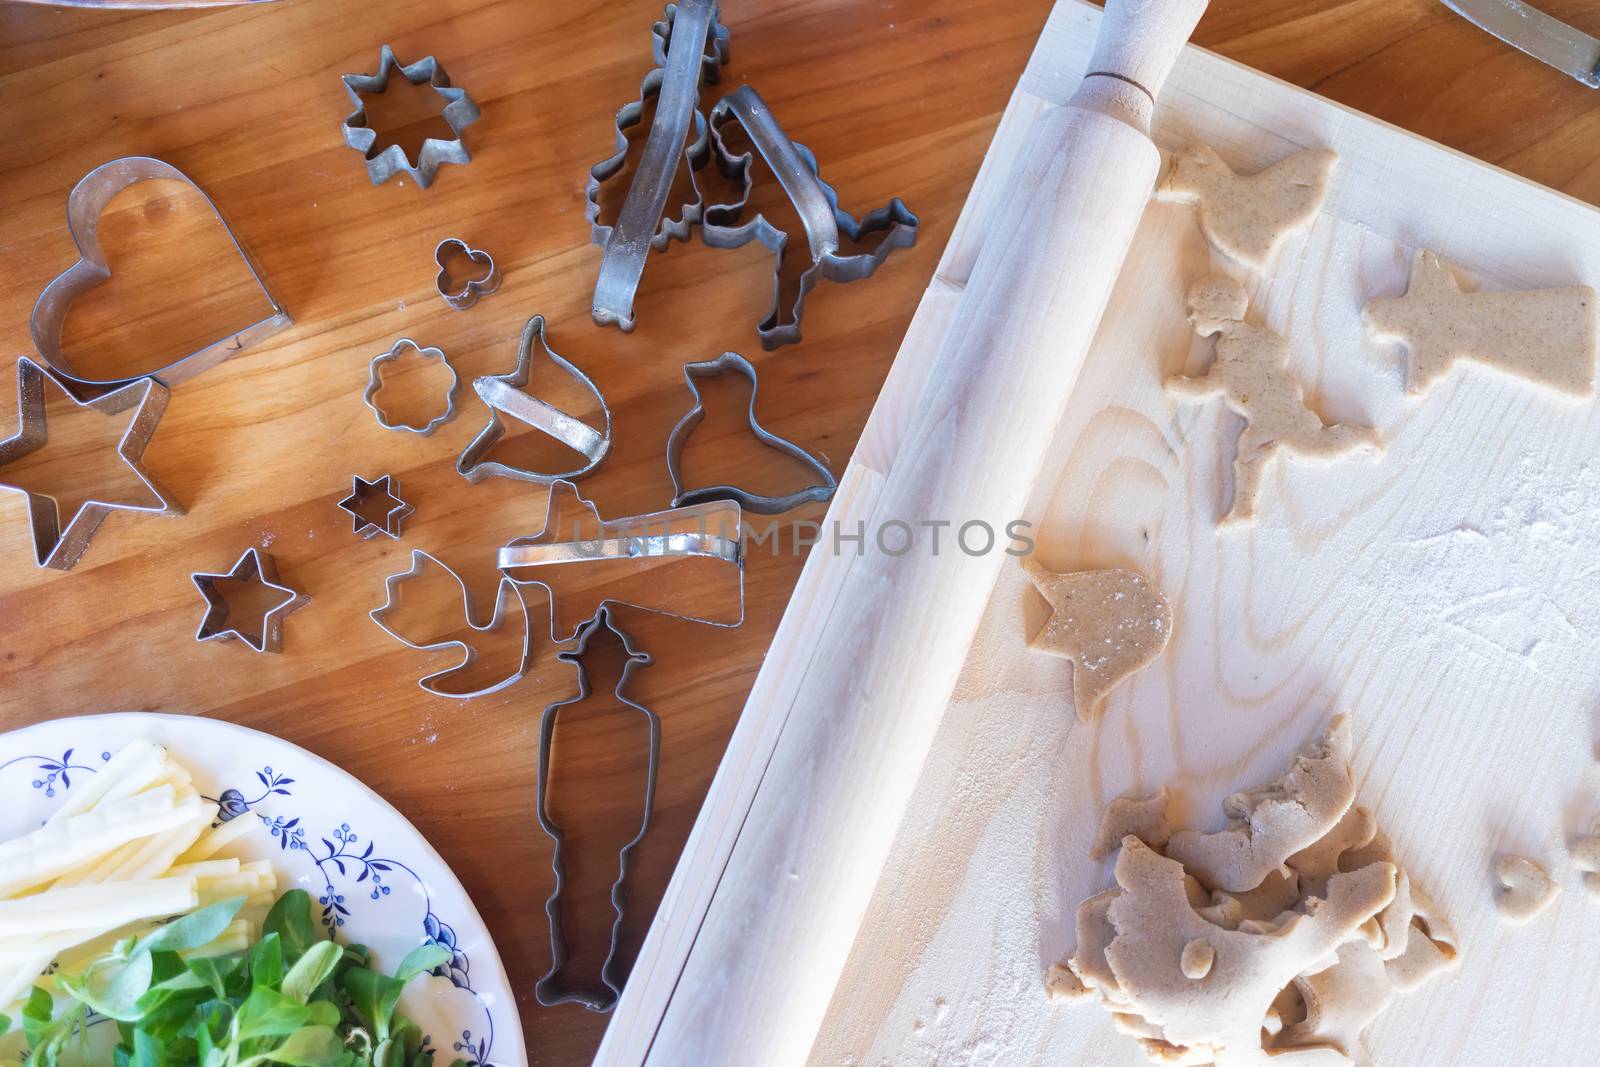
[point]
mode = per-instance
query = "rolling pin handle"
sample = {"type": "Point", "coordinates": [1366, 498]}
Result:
{"type": "Point", "coordinates": [1138, 43]}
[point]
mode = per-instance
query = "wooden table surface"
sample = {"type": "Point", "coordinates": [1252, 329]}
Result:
{"type": "Point", "coordinates": [895, 98]}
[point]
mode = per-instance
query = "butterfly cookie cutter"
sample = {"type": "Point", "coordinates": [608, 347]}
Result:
{"type": "Point", "coordinates": [689, 46]}
{"type": "Point", "coordinates": [464, 297]}
{"type": "Point", "coordinates": [459, 113]}
{"type": "Point", "coordinates": [253, 566]}
{"type": "Point", "coordinates": [547, 990]}
{"type": "Point", "coordinates": [84, 206]}
{"type": "Point", "coordinates": [814, 200]}
{"type": "Point", "coordinates": [375, 383]}
{"type": "Point", "coordinates": [823, 489]}
{"type": "Point", "coordinates": [505, 394]}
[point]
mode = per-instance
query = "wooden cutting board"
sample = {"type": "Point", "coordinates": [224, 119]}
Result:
{"type": "Point", "coordinates": [1444, 595]}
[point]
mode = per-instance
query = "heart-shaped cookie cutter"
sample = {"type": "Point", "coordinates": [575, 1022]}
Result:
{"type": "Point", "coordinates": [84, 205]}
{"type": "Point", "coordinates": [469, 292]}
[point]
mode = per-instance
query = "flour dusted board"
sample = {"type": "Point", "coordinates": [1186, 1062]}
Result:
{"type": "Point", "coordinates": [1448, 595]}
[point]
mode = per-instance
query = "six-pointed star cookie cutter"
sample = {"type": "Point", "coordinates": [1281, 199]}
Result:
{"type": "Point", "coordinates": [258, 566]}
{"type": "Point", "coordinates": [823, 489]}
{"type": "Point", "coordinates": [505, 394]}
{"type": "Point", "coordinates": [464, 297]}
{"type": "Point", "coordinates": [546, 990]}
{"type": "Point", "coordinates": [459, 113]}
{"type": "Point", "coordinates": [60, 547]}
{"type": "Point", "coordinates": [84, 204]}
{"type": "Point", "coordinates": [816, 202]}
{"type": "Point", "coordinates": [689, 46]}
{"type": "Point", "coordinates": [384, 487]}
{"type": "Point", "coordinates": [375, 383]}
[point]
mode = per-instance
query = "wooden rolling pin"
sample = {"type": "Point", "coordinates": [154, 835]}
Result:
{"type": "Point", "coordinates": [759, 968]}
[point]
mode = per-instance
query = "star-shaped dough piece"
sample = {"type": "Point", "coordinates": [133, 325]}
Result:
{"type": "Point", "coordinates": [375, 507]}
{"type": "Point", "coordinates": [1247, 216]}
{"type": "Point", "coordinates": [1544, 335]}
{"type": "Point", "coordinates": [1109, 623]}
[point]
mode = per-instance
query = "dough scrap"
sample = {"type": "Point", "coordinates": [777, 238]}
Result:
{"type": "Point", "coordinates": [1062, 985]}
{"type": "Point", "coordinates": [1275, 820]}
{"type": "Point", "coordinates": [1198, 959]}
{"type": "Point", "coordinates": [1586, 857]}
{"type": "Point", "coordinates": [1145, 819]}
{"type": "Point", "coordinates": [1341, 1002]}
{"type": "Point", "coordinates": [1431, 947]}
{"type": "Point", "coordinates": [1109, 623]}
{"type": "Point", "coordinates": [1546, 336]}
{"type": "Point", "coordinates": [1246, 217]}
{"type": "Point", "coordinates": [1250, 372]}
{"type": "Point", "coordinates": [1525, 889]}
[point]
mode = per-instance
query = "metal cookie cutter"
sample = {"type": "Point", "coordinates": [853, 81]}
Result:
{"type": "Point", "coordinates": [84, 204]}
{"type": "Point", "coordinates": [54, 545]}
{"type": "Point", "coordinates": [712, 531]}
{"type": "Point", "coordinates": [689, 47]}
{"type": "Point", "coordinates": [384, 491]}
{"type": "Point", "coordinates": [254, 566]}
{"type": "Point", "coordinates": [473, 288]}
{"type": "Point", "coordinates": [761, 505]}
{"type": "Point", "coordinates": [436, 683]}
{"type": "Point", "coordinates": [459, 113]}
{"type": "Point", "coordinates": [375, 383]}
{"type": "Point", "coordinates": [546, 990]}
{"type": "Point", "coordinates": [504, 394]}
{"type": "Point", "coordinates": [816, 202]}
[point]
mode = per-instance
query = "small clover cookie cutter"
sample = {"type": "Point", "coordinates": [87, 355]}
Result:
{"type": "Point", "coordinates": [505, 394]}
{"type": "Point", "coordinates": [814, 200]}
{"type": "Point", "coordinates": [459, 113]}
{"type": "Point", "coordinates": [375, 383]}
{"type": "Point", "coordinates": [469, 292]}
{"type": "Point", "coordinates": [54, 545]}
{"type": "Point", "coordinates": [823, 489]}
{"type": "Point", "coordinates": [505, 593]}
{"type": "Point", "coordinates": [689, 46]}
{"type": "Point", "coordinates": [363, 521]}
{"type": "Point", "coordinates": [84, 204]}
{"type": "Point", "coordinates": [254, 566]}
{"type": "Point", "coordinates": [546, 990]}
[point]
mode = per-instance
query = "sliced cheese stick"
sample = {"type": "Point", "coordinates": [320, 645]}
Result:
{"type": "Point", "coordinates": [90, 907]}
{"type": "Point", "coordinates": [51, 851]}
{"type": "Point", "coordinates": [219, 838]}
{"type": "Point", "coordinates": [151, 855]}
{"type": "Point", "coordinates": [137, 765]}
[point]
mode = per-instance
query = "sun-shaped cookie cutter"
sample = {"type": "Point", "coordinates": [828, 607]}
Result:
{"type": "Point", "coordinates": [459, 113]}
{"type": "Point", "coordinates": [375, 383]}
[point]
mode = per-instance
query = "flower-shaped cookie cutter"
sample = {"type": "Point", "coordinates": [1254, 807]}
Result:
{"type": "Point", "coordinates": [459, 113]}
{"type": "Point", "coordinates": [375, 383]}
{"type": "Point", "coordinates": [84, 205]}
{"type": "Point", "coordinates": [468, 293]}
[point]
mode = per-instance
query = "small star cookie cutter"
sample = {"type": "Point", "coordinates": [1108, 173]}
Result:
{"type": "Point", "coordinates": [54, 545]}
{"type": "Point", "coordinates": [546, 990]}
{"type": "Point", "coordinates": [375, 383]}
{"type": "Point", "coordinates": [459, 113]}
{"type": "Point", "coordinates": [689, 46]}
{"type": "Point", "coordinates": [505, 394]}
{"type": "Point", "coordinates": [254, 566]}
{"type": "Point", "coordinates": [362, 521]}
{"type": "Point", "coordinates": [822, 490]}
{"type": "Point", "coordinates": [468, 293]}
{"type": "Point", "coordinates": [84, 205]}
{"type": "Point", "coordinates": [814, 200]}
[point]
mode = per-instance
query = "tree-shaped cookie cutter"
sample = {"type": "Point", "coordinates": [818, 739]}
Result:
{"type": "Point", "coordinates": [505, 394]}
{"type": "Point", "coordinates": [823, 489]}
{"type": "Point", "coordinates": [459, 113]}
{"type": "Point", "coordinates": [546, 990]}
{"type": "Point", "coordinates": [84, 205]}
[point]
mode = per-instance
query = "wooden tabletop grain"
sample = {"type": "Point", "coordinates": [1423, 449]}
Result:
{"type": "Point", "coordinates": [896, 99]}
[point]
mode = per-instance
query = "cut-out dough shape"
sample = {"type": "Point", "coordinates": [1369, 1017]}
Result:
{"type": "Point", "coordinates": [1250, 372]}
{"type": "Point", "coordinates": [1525, 889]}
{"type": "Point", "coordinates": [1109, 623]}
{"type": "Point", "coordinates": [1247, 216]}
{"type": "Point", "coordinates": [1546, 336]}
{"type": "Point", "coordinates": [1586, 857]}
{"type": "Point", "coordinates": [1144, 818]}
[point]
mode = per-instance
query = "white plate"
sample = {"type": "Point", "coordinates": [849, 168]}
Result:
{"type": "Point", "coordinates": [374, 877]}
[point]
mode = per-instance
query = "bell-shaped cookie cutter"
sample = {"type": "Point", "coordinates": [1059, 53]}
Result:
{"type": "Point", "coordinates": [689, 46]}
{"type": "Point", "coordinates": [459, 113]}
{"type": "Point", "coordinates": [369, 396]}
{"type": "Point", "coordinates": [823, 489]}
{"type": "Point", "coordinates": [84, 206]}
{"type": "Point", "coordinates": [505, 394]}
{"type": "Point", "coordinates": [463, 298]}
{"type": "Point", "coordinates": [546, 990]}
{"type": "Point", "coordinates": [816, 202]}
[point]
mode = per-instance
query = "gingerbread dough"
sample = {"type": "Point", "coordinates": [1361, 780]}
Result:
{"type": "Point", "coordinates": [1109, 623]}
{"type": "Point", "coordinates": [1250, 372]}
{"type": "Point", "coordinates": [1544, 335]}
{"type": "Point", "coordinates": [1246, 217]}
{"type": "Point", "coordinates": [1145, 819]}
{"type": "Point", "coordinates": [1525, 889]}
